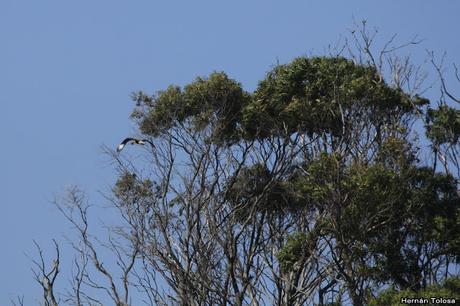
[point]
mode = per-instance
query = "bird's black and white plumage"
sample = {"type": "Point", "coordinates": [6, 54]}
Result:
{"type": "Point", "coordinates": [133, 141]}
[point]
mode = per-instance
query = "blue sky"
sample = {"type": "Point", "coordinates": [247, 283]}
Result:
{"type": "Point", "coordinates": [67, 69]}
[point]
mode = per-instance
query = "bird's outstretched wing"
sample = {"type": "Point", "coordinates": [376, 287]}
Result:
{"type": "Point", "coordinates": [135, 141]}
{"type": "Point", "coordinates": [149, 142]}
{"type": "Point", "coordinates": [123, 143]}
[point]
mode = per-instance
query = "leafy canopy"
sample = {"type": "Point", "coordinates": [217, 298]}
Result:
{"type": "Point", "coordinates": [309, 95]}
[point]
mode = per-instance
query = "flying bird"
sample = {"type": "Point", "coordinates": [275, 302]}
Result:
{"type": "Point", "coordinates": [133, 141]}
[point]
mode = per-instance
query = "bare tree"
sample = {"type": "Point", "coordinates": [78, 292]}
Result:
{"type": "Point", "coordinates": [46, 277]}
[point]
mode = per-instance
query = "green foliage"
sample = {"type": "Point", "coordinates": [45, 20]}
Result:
{"type": "Point", "coordinates": [310, 95]}
{"type": "Point", "coordinates": [391, 297]}
{"type": "Point", "coordinates": [294, 249]}
{"type": "Point", "coordinates": [299, 246]}
{"type": "Point", "coordinates": [402, 210]}
{"type": "Point", "coordinates": [444, 125]}
{"type": "Point", "coordinates": [249, 182]}
{"type": "Point", "coordinates": [396, 153]}
{"type": "Point", "coordinates": [128, 189]}
{"type": "Point", "coordinates": [256, 185]}
{"type": "Point", "coordinates": [216, 100]}
{"type": "Point", "coordinates": [385, 211]}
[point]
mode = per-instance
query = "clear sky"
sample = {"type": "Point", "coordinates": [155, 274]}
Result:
{"type": "Point", "coordinates": [67, 69]}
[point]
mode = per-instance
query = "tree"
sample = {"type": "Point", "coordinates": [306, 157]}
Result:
{"type": "Point", "coordinates": [308, 190]}
{"type": "Point", "coordinates": [449, 288]}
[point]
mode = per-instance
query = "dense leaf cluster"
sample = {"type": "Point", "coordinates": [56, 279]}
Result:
{"type": "Point", "coordinates": [216, 100]}
{"type": "Point", "coordinates": [450, 288]}
{"type": "Point", "coordinates": [309, 95]}
{"type": "Point", "coordinates": [444, 125]}
{"type": "Point", "coordinates": [129, 189]}
{"type": "Point", "coordinates": [299, 247]}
